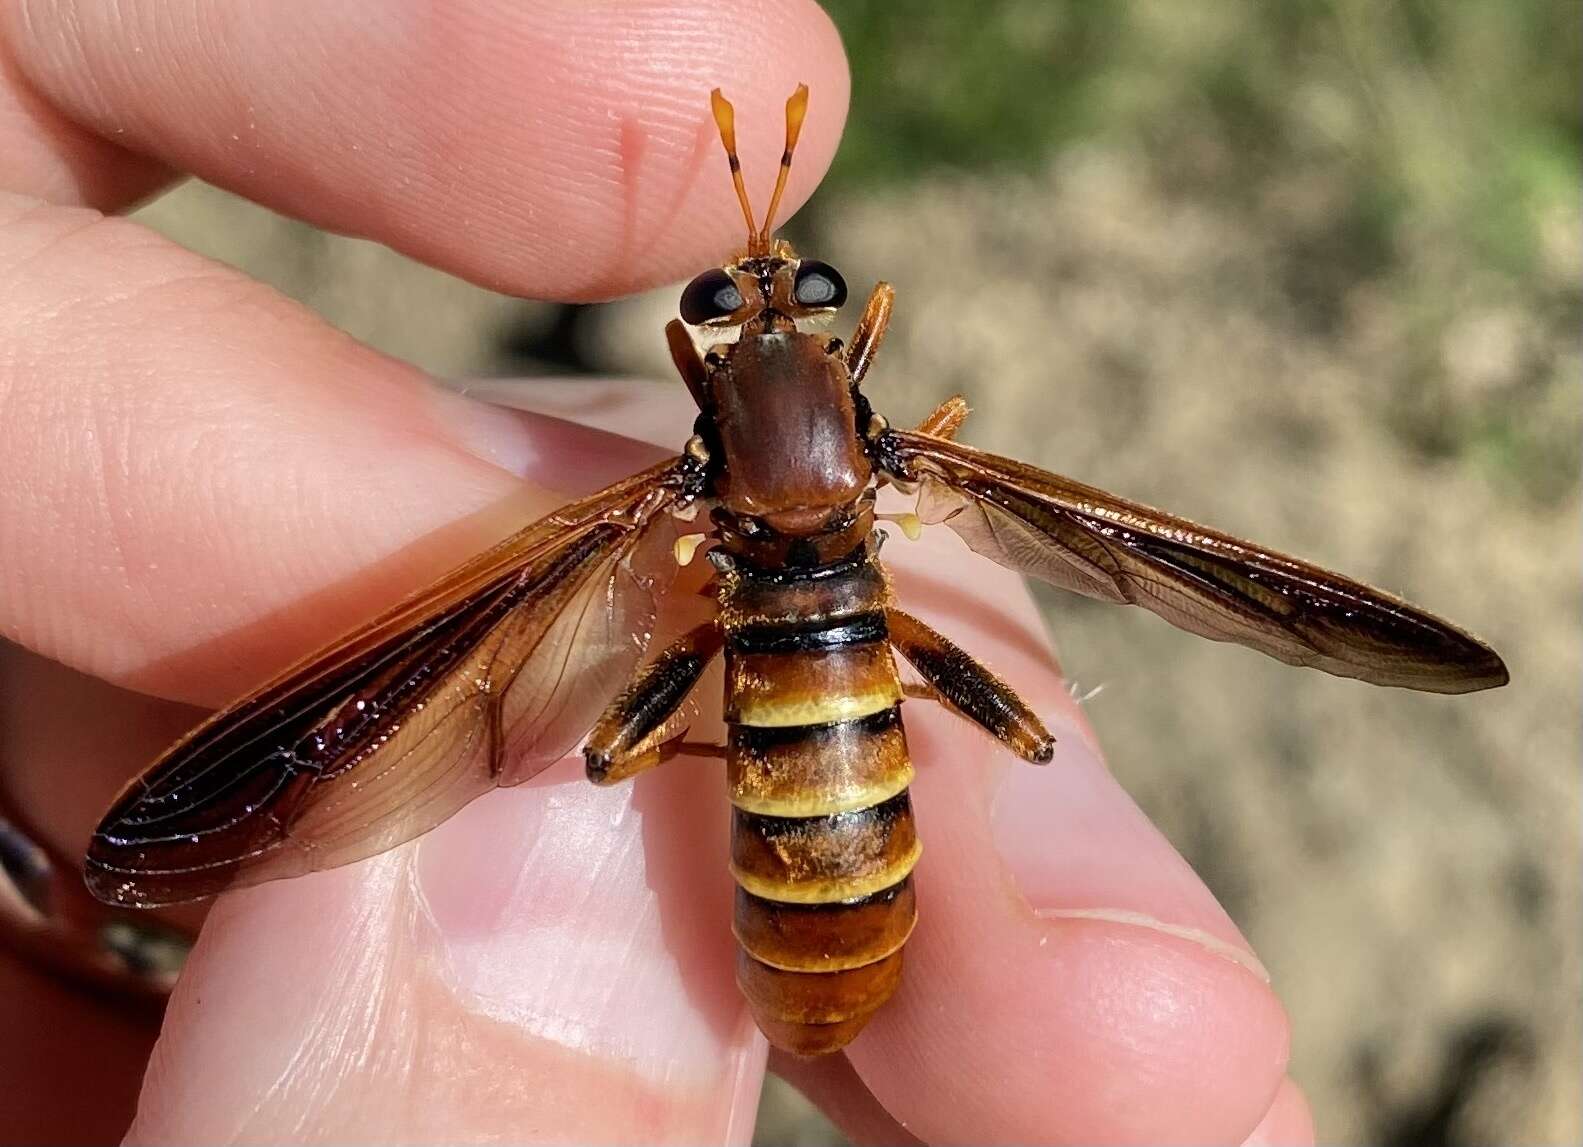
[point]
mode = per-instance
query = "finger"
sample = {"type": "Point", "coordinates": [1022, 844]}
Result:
{"type": "Point", "coordinates": [554, 149]}
{"type": "Point", "coordinates": [551, 965]}
{"type": "Point", "coordinates": [200, 480]}
{"type": "Point", "coordinates": [650, 411]}
{"type": "Point", "coordinates": [45, 155]}
{"type": "Point", "coordinates": [247, 591]}
{"type": "Point", "coordinates": [1070, 978]}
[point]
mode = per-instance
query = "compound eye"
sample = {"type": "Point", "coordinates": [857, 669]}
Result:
{"type": "Point", "coordinates": [818, 285]}
{"type": "Point", "coordinates": [710, 297]}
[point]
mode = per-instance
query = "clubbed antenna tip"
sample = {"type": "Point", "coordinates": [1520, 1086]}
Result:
{"type": "Point", "coordinates": [725, 121]}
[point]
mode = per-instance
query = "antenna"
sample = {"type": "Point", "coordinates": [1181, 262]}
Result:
{"type": "Point", "coordinates": [725, 120]}
{"type": "Point", "coordinates": [796, 112]}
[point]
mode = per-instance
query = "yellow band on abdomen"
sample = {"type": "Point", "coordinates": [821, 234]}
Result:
{"type": "Point", "coordinates": [829, 890]}
{"type": "Point", "coordinates": [779, 690]}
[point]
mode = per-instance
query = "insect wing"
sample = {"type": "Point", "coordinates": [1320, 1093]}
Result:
{"type": "Point", "coordinates": [482, 680]}
{"type": "Point", "coordinates": [1097, 544]}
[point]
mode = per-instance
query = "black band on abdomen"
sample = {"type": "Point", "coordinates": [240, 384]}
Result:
{"type": "Point", "coordinates": [808, 636]}
{"type": "Point", "coordinates": [758, 739]}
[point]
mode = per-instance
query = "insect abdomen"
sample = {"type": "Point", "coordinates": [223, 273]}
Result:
{"type": "Point", "coordinates": [823, 841]}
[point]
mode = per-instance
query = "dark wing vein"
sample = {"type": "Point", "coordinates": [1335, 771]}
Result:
{"type": "Point", "coordinates": [384, 734]}
{"type": "Point", "coordinates": [1201, 580]}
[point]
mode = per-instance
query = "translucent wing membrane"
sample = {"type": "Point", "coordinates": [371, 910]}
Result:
{"type": "Point", "coordinates": [484, 679]}
{"type": "Point", "coordinates": [1083, 539]}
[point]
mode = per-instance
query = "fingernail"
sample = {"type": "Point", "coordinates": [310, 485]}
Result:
{"type": "Point", "coordinates": [1139, 920]}
{"type": "Point", "coordinates": [592, 917]}
{"type": "Point", "coordinates": [1078, 847]}
{"type": "Point", "coordinates": [551, 451]}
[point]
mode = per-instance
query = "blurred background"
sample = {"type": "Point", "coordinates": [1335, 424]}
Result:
{"type": "Point", "coordinates": [1309, 272]}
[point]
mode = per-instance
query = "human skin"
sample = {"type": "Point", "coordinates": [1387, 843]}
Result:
{"type": "Point", "coordinates": [200, 481]}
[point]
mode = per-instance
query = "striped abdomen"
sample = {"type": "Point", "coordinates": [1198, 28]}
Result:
{"type": "Point", "coordinates": [822, 840]}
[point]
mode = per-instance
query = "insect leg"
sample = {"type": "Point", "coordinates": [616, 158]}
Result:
{"type": "Point", "coordinates": [970, 689]}
{"type": "Point", "coordinates": [946, 419]}
{"type": "Point", "coordinates": [497, 738]}
{"type": "Point", "coordinates": [870, 331]}
{"type": "Point", "coordinates": [685, 355]}
{"type": "Point", "coordinates": [632, 735]}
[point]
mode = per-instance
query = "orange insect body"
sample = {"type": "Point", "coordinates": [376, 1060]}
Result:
{"type": "Point", "coordinates": [497, 670]}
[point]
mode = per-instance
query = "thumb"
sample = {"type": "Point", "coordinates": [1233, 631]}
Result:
{"type": "Point", "coordinates": [538, 968]}
{"type": "Point", "coordinates": [549, 964]}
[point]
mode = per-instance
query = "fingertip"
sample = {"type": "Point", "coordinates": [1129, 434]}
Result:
{"type": "Point", "coordinates": [1073, 1031]}
{"type": "Point", "coordinates": [1064, 829]}
{"type": "Point", "coordinates": [1070, 978]}
{"type": "Point", "coordinates": [559, 150]}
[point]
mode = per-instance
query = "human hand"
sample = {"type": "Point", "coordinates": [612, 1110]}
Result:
{"type": "Point", "coordinates": [199, 481]}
